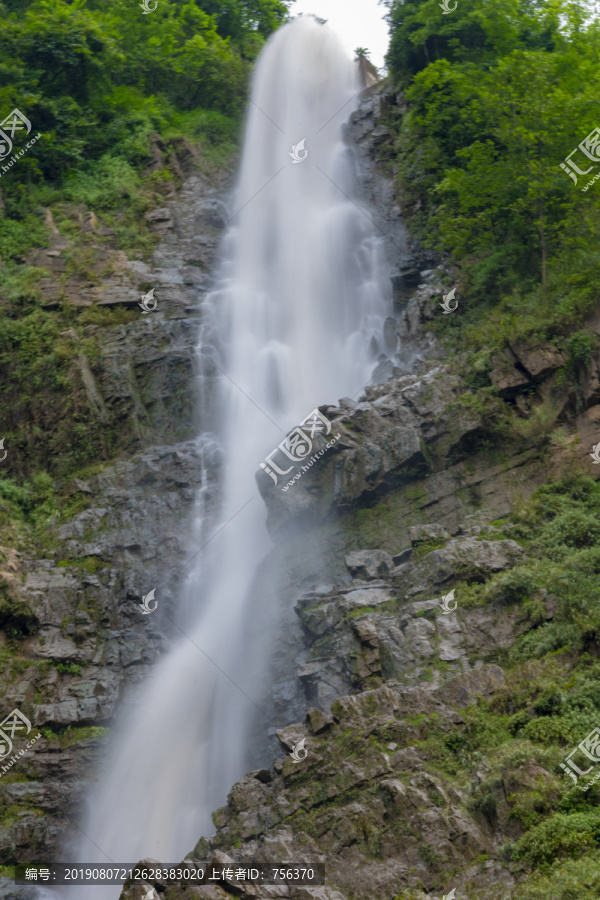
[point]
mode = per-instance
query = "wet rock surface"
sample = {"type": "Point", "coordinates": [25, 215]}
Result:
{"type": "Point", "coordinates": [414, 281]}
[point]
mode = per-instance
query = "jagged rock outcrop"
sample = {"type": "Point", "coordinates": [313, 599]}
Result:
{"type": "Point", "coordinates": [363, 802]}
{"type": "Point", "coordinates": [361, 632]}
{"type": "Point", "coordinates": [411, 430]}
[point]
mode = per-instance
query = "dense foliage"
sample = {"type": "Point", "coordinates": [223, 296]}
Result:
{"type": "Point", "coordinates": [499, 92]}
{"type": "Point", "coordinates": [96, 76]}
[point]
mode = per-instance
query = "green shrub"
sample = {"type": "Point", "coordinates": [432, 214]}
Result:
{"type": "Point", "coordinates": [111, 182]}
{"type": "Point", "coordinates": [546, 639]}
{"type": "Point", "coordinates": [68, 668]}
{"type": "Point", "coordinates": [539, 423]}
{"type": "Point", "coordinates": [512, 586]}
{"type": "Point", "coordinates": [565, 880]}
{"type": "Point", "coordinates": [573, 529]}
{"type": "Point", "coordinates": [562, 835]}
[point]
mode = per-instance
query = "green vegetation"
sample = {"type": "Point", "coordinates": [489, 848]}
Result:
{"type": "Point", "coordinates": [38, 504]}
{"type": "Point", "coordinates": [73, 734]}
{"type": "Point", "coordinates": [551, 700]}
{"type": "Point", "coordinates": [498, 94]}
{"type": "Point", "coordinates": [68, 668]}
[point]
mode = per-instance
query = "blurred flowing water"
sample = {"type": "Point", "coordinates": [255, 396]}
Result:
{"type": "Point", "coordinates": [296, 322]}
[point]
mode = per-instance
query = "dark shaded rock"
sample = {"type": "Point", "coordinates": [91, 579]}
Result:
{"type": "Point", "coordinates": [369, 564]}
{"type": "Point", "coordinates": [539, 362]}
{"type": "Point", "coordinates": [403, 557]}
{"type": "Point", "coordinates": [160, 220]}
{"type": "Point", "coordinates": [506, 377]}
{"type": "Point", "coordinates": [465, 688]}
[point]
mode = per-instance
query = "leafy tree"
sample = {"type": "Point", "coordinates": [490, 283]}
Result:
{"type": "Point", "coordinates": [244, 20]}
{"type": "Point", "coordinates": [95, 76]}
{"type": "Point", "coordinates": [499, 93]}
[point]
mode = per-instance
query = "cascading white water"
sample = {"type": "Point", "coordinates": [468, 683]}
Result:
{"type": "Point", "coordinates": [297, 320]}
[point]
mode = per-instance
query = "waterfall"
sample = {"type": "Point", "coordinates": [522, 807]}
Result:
{"type": "Point", "coordinates": [295, 322]}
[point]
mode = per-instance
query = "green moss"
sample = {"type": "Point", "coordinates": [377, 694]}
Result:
{"type": "Point", "coordinates": [337, 709]}
{"type": "Point", "coordinates": [10, 814]}
{"type": "Point", "coordinates": [107, 316]}
{"type": "Point", "coordinates": [89, 564]}
{"type": "Point", "coordinates": [68, 668]}
{"type": "Point", "coordinates": [15, 777]}
{"type": "Point", "coordinates": [390, 606]}
{"type": "Point", "coordinates": [74, 735]}
{"type": "Point", "coordinates": [425, 547]}
{"type": "Point", "coordinates": [429, 856]}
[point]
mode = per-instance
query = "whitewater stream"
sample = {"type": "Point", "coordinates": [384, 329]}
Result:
{"type": "Point", "coordinates": [296, 322]}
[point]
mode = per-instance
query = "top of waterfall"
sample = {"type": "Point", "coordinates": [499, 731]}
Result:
{"type": "Point", "coordinates": [304, 78]}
